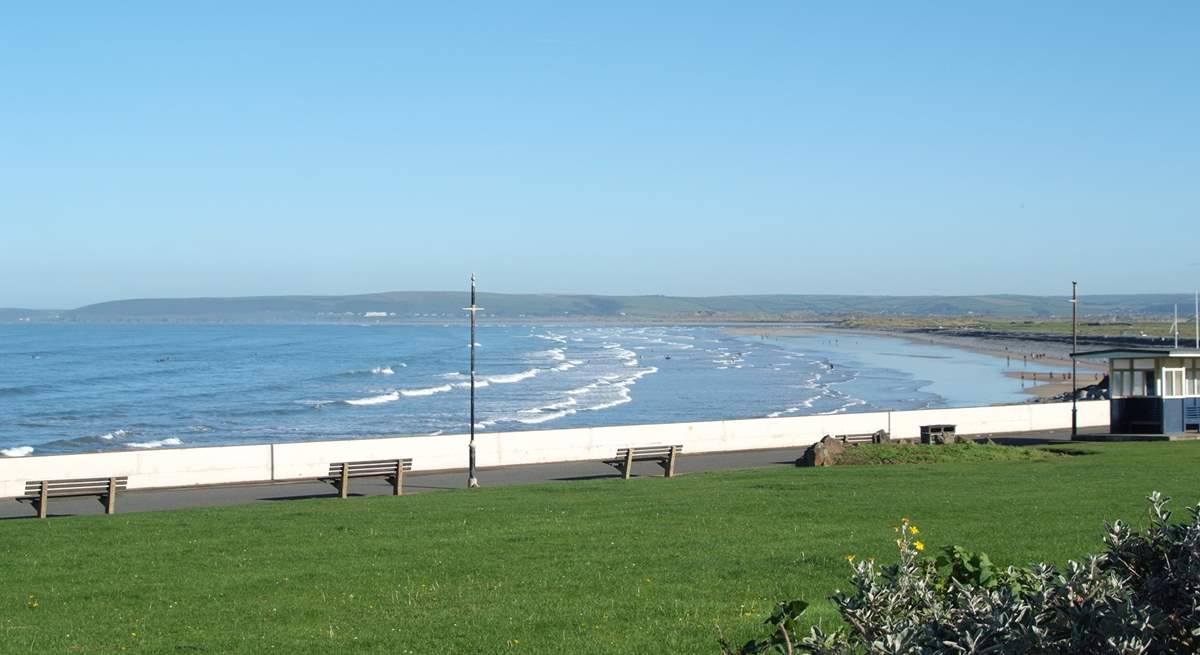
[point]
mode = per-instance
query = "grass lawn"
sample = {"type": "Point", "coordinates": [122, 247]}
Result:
{"type": "Point", "coordinates": [602, 566]}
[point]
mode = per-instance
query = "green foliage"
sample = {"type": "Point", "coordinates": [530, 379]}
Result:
{"type": "Point", "coordinates": [894, 453]}
{"type": "Point", "coordinates": [1141, 596]}
{"type": "Point", "coordinates": [957, 565]}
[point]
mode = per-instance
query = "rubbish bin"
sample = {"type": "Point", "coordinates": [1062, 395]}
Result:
{"type": "Point", "coordinates": [937, 434]}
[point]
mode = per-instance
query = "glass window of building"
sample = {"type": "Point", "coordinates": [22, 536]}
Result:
{"type": "Point", "coordinates": [1173, 382]}
{"type": "Point", "coordinates": [1121, 383]}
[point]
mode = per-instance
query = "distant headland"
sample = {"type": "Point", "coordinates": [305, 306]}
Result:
{"type": "Point", "coordinates": [420, 306]}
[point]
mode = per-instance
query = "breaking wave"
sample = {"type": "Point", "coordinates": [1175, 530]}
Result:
{"type": "Point", "coordinates": [513, 377]}
{"type": "Point", "coordinates": [427, 391]}
{"type": "Point", "coordinates": [145, 445]}
{"type": "Point", "coordinates": [375, 400]}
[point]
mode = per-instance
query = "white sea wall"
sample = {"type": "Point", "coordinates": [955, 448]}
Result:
{"type": "Point", "coordinates": [183, 467]}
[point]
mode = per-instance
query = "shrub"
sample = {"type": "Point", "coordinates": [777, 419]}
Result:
{"type": "Point", "coordinates": [1141, 596]}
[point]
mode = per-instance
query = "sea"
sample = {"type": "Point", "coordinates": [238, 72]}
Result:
{"type": "Point", "coordinates": [86, 388]}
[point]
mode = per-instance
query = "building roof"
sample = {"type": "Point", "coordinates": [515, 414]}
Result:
{"type": "Point", "coordinates": [1115, 353]}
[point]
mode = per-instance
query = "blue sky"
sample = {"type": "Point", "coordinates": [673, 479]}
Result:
{"type": "Point", "coordinates": [696, 148]}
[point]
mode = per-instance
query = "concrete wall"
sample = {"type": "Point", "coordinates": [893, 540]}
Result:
{"type": "Point", "coordinates": [291, 461]}
{"type": "Point", "coordinates": [177, 467]}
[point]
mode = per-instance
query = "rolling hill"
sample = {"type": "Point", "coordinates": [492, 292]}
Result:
{"type": "Point", "coordinates": [443, 305]}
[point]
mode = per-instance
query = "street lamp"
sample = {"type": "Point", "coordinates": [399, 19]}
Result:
{"type": "Point", "coordinates": [472, 481]}
{"type": "Point", "coordinates": [1074, 349]}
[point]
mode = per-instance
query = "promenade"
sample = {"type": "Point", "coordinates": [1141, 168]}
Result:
{"type": "Point", "coordinates": [422, 482]}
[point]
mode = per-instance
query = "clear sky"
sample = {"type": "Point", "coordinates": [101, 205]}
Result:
{"type": "Point", "coordinates": [245, 148]}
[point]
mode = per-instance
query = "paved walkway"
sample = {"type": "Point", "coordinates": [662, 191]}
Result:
{"type": "Point", "coordinates": [215, 496]}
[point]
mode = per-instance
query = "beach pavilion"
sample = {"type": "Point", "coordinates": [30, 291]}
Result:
{"type": "Point", "coordinates": [1152, 391]}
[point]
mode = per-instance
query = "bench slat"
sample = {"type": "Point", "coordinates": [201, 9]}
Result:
{"type": "Point", "coordinates": [368, 469]}
{"type": "Point", "coordinates": [59, 487]}
{"type": "Point", "coordinates": [649, 450]}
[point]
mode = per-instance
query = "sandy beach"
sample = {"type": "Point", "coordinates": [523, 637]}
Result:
{"type": "Point", "coordinates": [1022, 355]}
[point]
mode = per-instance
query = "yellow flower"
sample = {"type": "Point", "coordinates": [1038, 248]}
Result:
{"type": "Point", "coordinates": [904, 520]}
{"type": "Point", "coordinates": [849, 558]}
{"type": "Point", "coordinates": [913, 530]}
{"type": "Point", "coordinates": [919, 545]}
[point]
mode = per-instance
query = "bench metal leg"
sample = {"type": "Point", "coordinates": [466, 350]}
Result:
{"type": "Point", "coordinates": [43, 499]}
{"type": "Point", "coordinates": [344, 487]}
{"type": "Point", "coordinates": [398, 481]}
{"type": "Point", "coordinates": [110, 501]}
{"type": "Point", "coordinates": [628, 465]}
{"type": "Point", "coordinates": [670, 464]}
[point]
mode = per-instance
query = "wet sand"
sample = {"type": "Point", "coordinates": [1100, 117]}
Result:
{"type": "Point", "coordinates": [1046, 384]}
{"type": "Point", "coordinates": [1023, 355]}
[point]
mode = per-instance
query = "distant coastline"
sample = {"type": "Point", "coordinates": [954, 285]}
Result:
{"type": "Point", "coordinates": [441, 306]}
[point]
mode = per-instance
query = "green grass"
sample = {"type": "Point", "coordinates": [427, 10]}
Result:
{"type": "Point", "coordinates": [867, 454]}
{"type": "Point", "coordinates": [604, 566]}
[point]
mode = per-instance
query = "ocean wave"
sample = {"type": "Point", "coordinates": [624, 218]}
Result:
{"type": "Point", "coordinates": [427, 391]}
{"type": "Point", "coordinates": [606, 388]}
{"type": "Point", "coordinates": [543, 418]}
{"type": "Point", "coordinates": [555, 354]}
{"type": "Point", "coordinates": [316, 404]}
{"type": "Point", "coordinates": [383, 370]}
{"type": "Point", "coordinates": [25, 390]}
{"type": "Point", "coordinates": [116, 434]}
{"type": "Point", "coordinates": [673, 344]}
{"type": "Point", "coordinates": [18, 451]}
{"type": "Point", "coordinates": [479, 384]}
{"type": "Point", "coordinates": [146, 445]}
{"type": "Point", "coordinates": [512, 377]}
{"type": "Point", "coordinates": [582, 390]}
{"type": "Point", "coordinates": [375, 400]}
{"type": "Point", "coordinates": [604, 393]}
{"type": "Point", "coordinates": [552, 407]}
{"type": "Point", "coordinates": [641, 374]}
{"type": "Point", "coordinates": [853, 402]}
{"type": "Point", "coordinates": [620, 400]}
{"type": "Point", "coordinates": [790, 410]}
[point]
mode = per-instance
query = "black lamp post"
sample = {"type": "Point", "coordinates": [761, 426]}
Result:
{"type": "Point", "coordinates": [472, 481]}
{"type": "Point", "coordinates": [1074, 349]}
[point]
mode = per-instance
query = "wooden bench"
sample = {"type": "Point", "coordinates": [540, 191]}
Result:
{"type": "Point", "coordinates": [663, 455]}
{"type": "Point", "coordinates": [39, 492]}
{"type": "Point", "coordinates": [392, 469]}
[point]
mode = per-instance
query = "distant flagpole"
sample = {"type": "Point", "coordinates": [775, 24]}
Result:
{"type": "Point", "coordinates": [472, 481]}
